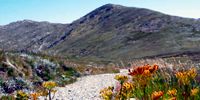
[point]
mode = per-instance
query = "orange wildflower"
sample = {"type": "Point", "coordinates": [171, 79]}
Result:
{"type": "Point", "coordinates": [144, 70]}
{"type": "Point", "coordinates": [153, 68]}
{"type": "Point", "coordinates": [35, 96]}
{"type": "Point", "coordinates": [156, 95]}
{"type": "Point", "coordinates": [146, 73]}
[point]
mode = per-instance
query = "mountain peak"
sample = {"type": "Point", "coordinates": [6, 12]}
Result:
{"type": "Point", "coordinates": [101, 11]}
{"type": "Point", "coordinates": [112, 5]}
{"type": "Point", "coordinates": [109, 6]}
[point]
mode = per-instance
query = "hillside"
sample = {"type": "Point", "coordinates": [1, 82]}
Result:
{"type": "Point", "coordinates": [30, 35]}
{"type": "Point", "coordinates": [114, 31]}
{"type": "Point", "coordinates": [20, 71]}
{"type": "Point", "coordinates": [108, 32]}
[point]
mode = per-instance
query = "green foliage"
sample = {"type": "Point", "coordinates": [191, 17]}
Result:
{"type": "Point", "coordinates": [7, 97]}
{"type": "Point", "coordinates": [10, 72]}
{"type": "Point", "coordinates": [1, 81]}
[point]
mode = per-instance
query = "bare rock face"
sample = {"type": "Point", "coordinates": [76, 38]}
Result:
{"type": "Point", "coordinates": [110, 31]}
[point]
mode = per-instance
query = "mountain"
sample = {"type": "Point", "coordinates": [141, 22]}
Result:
{"type": "Point", "coordinates": [119, 32]}
{"type": "Point", "coordinates": [108, 32]}
{"type": "Point", "coordinates": [30, 35]}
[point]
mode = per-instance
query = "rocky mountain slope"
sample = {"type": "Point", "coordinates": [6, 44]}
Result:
{"type": "Point", "coordinates": [114, 31]}
{"type": "Point", "coordinates": [111, 32]}
{"type": "Point", "coordinates": [30, 35]}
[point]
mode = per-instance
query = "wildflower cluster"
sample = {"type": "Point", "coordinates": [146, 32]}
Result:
{"type": "Point", "coordinates": [46, 90]}
{"type": "Point", "coordinates": [145, 70]}
{"type": "Point", "coordinates": [186, 76]}
{"type": "Point", "coordinates": [153, 83]}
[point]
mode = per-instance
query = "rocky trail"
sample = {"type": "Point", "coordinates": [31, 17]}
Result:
{"type": "Point", "coordinates": [87, 87]}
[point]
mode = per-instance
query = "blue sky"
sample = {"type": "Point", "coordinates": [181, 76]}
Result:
{"type": "Point", "coordinates": [66, 11]}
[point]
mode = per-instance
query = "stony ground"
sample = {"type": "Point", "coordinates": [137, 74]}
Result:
{"type": "Point", "coordinates": [86, 88]}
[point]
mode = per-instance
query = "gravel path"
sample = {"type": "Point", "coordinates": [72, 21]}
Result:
{"type": "Point", "coordinates": [86, 88]}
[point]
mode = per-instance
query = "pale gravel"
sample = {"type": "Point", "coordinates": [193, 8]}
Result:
{"type": "Point", "coordinates": [87, 87]}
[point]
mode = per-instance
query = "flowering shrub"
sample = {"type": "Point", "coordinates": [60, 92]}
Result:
{"type": "Point", "coordinates": [153, 83]}
{"type": "Point", "coordinates": [46, 90]}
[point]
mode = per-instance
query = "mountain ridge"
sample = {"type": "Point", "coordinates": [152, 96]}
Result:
{"type": "Point", "coordinates": [110, 31]}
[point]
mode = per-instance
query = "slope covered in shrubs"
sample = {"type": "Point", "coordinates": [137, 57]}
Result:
{"type": "Point", "coordinates": [20, 71]}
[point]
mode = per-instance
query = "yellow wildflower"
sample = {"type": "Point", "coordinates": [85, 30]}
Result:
{"type": "Point", "coordinates": [121, 78]}
{"type": "Point", "coordinates": [172, 92]}
{"type": "Point", "coordinates": [107, 93]}
{"type": "Point", "coordinates": [192, 73]}
{"type": "Point", "coordinates": [183, 77]}
{"type": "Point", "coordinates": [127, 86]}
{"type": "Point", "coordinates": [49, 85]}
{"type": "Point", "coordinates": [194, 91]}
{"type": "Point", "coordinates": [22, 95]}
{"type": "Point", "coordinates": [127, 89]}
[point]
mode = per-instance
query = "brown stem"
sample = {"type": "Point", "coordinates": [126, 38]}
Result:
{"type": "Point", "coordinates": [49, 94]}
